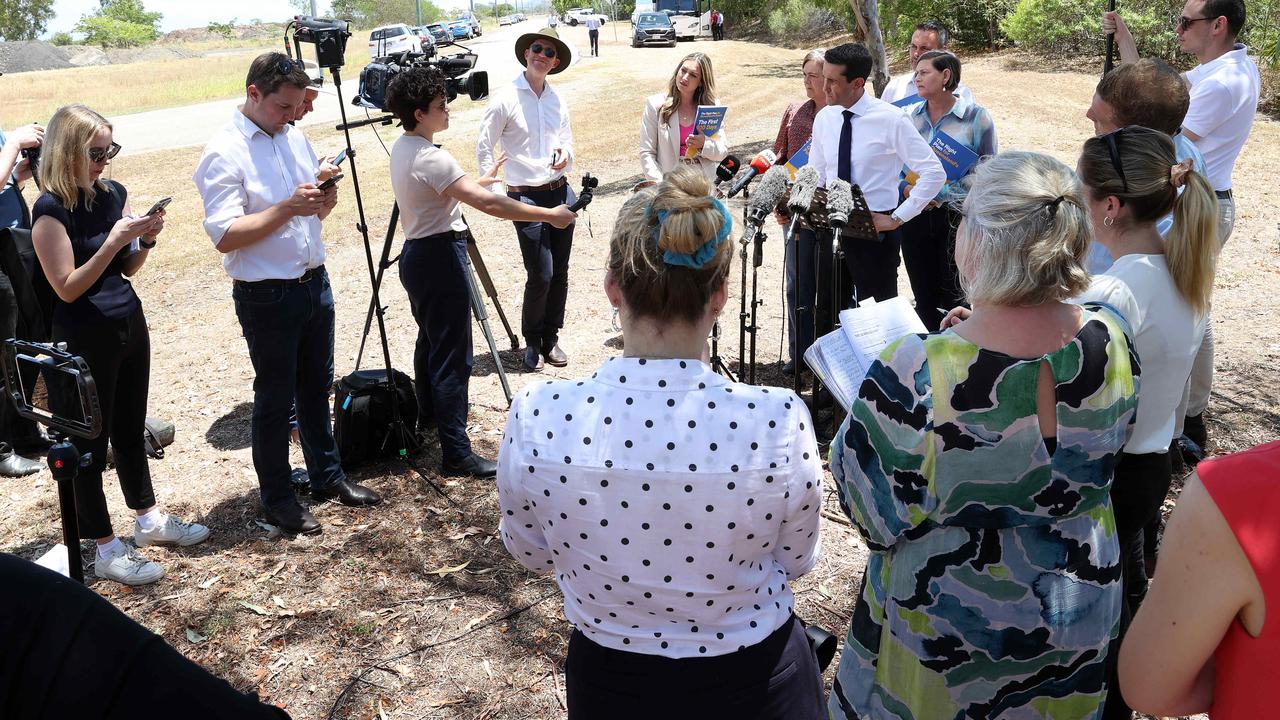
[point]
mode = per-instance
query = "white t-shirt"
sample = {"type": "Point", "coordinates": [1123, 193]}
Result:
{"type": "Point", "coordinates": [1224, 99]}
{"type": "Point", "coordinates": [1166, 333]}
{"type": "Point", "coordinates": [420, 173]}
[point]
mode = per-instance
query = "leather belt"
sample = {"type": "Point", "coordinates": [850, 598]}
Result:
{"type": "Point", "coordinates": [691, 161]}
{"type": "Point", "coordinates": [1223, 194]}
{"type": "Point", "coordinates": [306, 277]}
{"type": "Point", "coordinates": [553, 185]}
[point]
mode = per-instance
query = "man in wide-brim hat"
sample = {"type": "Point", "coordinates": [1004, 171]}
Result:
{"type": "Point", "coordinates": [531, 122]}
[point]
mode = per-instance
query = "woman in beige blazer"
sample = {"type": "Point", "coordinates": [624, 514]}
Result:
{"type": "Point", "coordinates": [668, 117]}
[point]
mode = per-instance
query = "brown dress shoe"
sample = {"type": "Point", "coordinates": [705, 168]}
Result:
{"type": "Point", "coordinates": [532, 359]}
{"type": "Point", "coordinates": [555, 356]}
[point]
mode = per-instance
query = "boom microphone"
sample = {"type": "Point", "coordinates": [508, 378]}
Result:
{"type": "Point", "coordinates": [768, 195]}
{"type": "Point", "coordinates": [759, 164]}
{"type": "Point", "coordinates": [839, 204]}
{"type": "Point", "coordinates": [727, 168]}
{"type": "Point", "coordinates": [801, 200]}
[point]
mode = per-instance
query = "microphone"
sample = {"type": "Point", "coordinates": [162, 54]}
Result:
{"type": "Point", "coordinates": [727, 168]}
{"type": "Point", "coordinates": [768, 194]}
{"type": "Point", "coordinates": [801, 200]}
{"type": "Point", "coordinates": [839, 205]}
{"type": "Point", "coordinates": [759, 164]}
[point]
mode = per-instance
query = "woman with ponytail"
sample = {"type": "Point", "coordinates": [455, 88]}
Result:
{"type": "Point", "coordinates": [1132, 178]}
{"type": "Point", "coordinates": [673, 506]}
{"type": "Point", "coordinates": [976, 464]}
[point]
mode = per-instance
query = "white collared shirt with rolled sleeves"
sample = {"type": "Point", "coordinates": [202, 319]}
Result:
{"type": "Point", "coordinates": [245, 171]}
{"type": "Point", "coordinates": [884, 140]}
{"type": "Point", "coordinates": [529, 128]}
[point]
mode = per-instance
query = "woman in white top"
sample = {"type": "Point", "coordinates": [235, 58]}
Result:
{"type": "Point", "coordinates": [673, 505]}
{"type": "Point", "coordinates": [667, 136]}
{"type": "Point", "coordinates": [1131, 178]}
{"type": "Point", "coordinates": [429, 185]}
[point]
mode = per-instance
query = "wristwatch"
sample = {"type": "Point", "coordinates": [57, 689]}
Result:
{"type": "Point", "coordinates": [894, 217]}
{"type": "Point", "coordinates": [145, 244]}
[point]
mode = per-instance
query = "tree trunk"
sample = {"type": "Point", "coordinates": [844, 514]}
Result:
{"type": "Point", "coordinates": [867, 13]}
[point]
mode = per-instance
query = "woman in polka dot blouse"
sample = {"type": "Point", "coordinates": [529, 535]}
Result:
{"type": "Point", "coordinates": [672, 505]}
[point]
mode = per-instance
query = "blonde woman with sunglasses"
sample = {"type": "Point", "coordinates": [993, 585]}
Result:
{"type": "Point", "coordinates": [89, 245]}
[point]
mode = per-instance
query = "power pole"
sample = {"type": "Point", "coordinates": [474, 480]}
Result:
{"type": "Point", "coordinates": [417, 6]}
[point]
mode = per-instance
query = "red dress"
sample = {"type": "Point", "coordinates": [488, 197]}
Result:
{"type": "Point", "coordinates": [1246, 489]}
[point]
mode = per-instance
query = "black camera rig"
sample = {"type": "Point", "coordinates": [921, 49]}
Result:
{"type": "Point", "coordinates": [456, 68]}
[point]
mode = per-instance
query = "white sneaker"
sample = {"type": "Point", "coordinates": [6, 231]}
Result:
{"type": "Point", "coordinates": [170, 531]}
{"type": "Point", "coordinates": [126, 565]}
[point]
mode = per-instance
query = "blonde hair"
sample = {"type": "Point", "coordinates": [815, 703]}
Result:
{"type": "Point", "coordinates": [814, 55]}
{"type": "Point", "coordinates": [1025, 232]}
{"type": "Point", "coordinates": [65, 154]}
{"type": "Point", "coordinates": [650, 286]}
{"type": "Point", "coordinates": [704, 95]}
{"type": "Point", "coordinates": [1148, 157]}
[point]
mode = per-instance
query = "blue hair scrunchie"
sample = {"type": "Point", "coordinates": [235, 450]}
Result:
{"type": "Point", "coordinates": [706, 251]}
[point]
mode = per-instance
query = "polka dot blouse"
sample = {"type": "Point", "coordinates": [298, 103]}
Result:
{"type": "Point", "coordinates": [672, 505]}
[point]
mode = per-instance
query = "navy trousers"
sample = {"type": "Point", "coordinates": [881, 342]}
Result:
{"type": "Point", "coordinates": [545, 251]}
{"type": "Point", "coordinates": [433, 272]}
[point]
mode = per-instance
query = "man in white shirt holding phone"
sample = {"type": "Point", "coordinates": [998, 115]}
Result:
{"type": "Point", "coordinates": [263, 210]}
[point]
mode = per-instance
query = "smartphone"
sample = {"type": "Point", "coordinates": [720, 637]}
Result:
{"type": "Point", "coordinates": [161, 204]}
{"type": "Point", "coordinates": [330, 182]}
{"type": "Point", "coordinates": [341, 156]}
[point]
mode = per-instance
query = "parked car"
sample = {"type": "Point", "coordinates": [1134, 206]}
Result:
{"type": "Point", "coordinates": [473, 21]}
{"type": "Point", "coordinates": [521, 17]}
{"type": "Point", "coordinates": [461, 29]}
{"type": "Point", "coordinates": [506, 20]}
{"type": "Point", "coordinates": [653, 29]}
{"type": "Point", "coordinates": [576, 16]}
{"type": "Point", "coordinates": [441, 33]}
{"type": "Point", "coordinates": [425, 37]}
{"type": "Point", "coordinates": [393, 39]}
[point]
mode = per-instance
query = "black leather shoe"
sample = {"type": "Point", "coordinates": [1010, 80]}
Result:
{"type": "Point", "coordinates": [294, 520]}
{"type": "Point", "coordinates": [472, 466]}
{"type": "Point", "coordinates": [789, 368]}
{"type": "Point", "coordinates": [347, 493]}
{"type": "Point", "coordinates": [532, 359]}
{"type": "Point", "coordinates": [555, 356]}
{"type": "Point", "coordinates": [1193, 428]}
{"type": "Point", "coordinates": [14, 465]}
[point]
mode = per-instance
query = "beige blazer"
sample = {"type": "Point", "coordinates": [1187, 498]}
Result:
{"type": "Point", "coordinates": [660, 145]}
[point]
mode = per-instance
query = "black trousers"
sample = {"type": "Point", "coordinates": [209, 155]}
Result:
{"type": "Point", "coordinates": [1137, 492]}
{"type": "Point", "coordinates": [433, 272]}
{"type": "Point", "coordinates": [872, 266]}
{"type": "Point", "coordinates": [545, 251]}
{"type": "Point", "coordinates": [68, 653]}
{"type": "Point", "coordinates": [775, 678]}
{"type": "Point", "coordinates": [118, 353]}
{"type": "Point", "coordinates": [928, 249]}
{"type": "Point", "coordinates": [595, 41]}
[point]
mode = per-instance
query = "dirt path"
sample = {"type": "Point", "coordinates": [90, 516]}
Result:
{"type": "Point", "coordinates": [378, 583]}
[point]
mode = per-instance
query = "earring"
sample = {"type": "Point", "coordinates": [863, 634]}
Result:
{"type": "Point", "coordinates": [1108, 221]}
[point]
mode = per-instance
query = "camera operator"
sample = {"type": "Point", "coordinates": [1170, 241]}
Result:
{"type": "Point", "coordinates": [89, 245]}
{"type": "Point", "coordinates": [429, 185]}
{"type": "Point", "coordinates": [18, 436]}
{"type": "Point", "coordinates": [263, 212]}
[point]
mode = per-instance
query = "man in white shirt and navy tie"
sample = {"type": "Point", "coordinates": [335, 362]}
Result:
{"type": "Point", "coordinates": [867, 142]}
{"type": "Point", "coordinates": [531, 122]}
{"type": "Point", "coordinates": [257, 178]}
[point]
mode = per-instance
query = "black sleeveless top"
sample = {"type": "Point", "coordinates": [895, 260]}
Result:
{"type": "Point", "coordinates": [111, 297]}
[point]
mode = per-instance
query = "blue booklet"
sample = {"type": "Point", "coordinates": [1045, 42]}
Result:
{"type": "Point", "coordinates": [708, 122]}
{"type": "Point", "coordinates": [956, 159]}
{"type": "Point", "coordinates": [799, 158]}
{"type": "Point", "coordinates": [907, 101]}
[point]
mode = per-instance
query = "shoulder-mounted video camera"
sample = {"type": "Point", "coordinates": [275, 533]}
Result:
{"type": "Point", "coordinates": [456, 68]}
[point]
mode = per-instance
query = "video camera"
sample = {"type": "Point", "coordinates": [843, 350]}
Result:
{"type": "Point", "coordinates": [328, 35]}
{"type": "Point", "coordinates": [459, 79]}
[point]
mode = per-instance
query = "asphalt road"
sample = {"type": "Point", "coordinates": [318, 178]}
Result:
{"type": "Point", "coordinates": [195, 124]}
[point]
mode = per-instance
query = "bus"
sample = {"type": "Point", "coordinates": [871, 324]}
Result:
{"type": "Point", "coordinates": [691, 18]}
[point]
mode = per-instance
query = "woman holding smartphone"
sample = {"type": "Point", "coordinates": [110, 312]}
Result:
{"type": "Point", "coordinates": [89, 245]}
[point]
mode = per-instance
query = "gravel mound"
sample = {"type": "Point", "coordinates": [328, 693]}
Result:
{"type": "Point", "coordinates": [85, 55]}
{"type": "Point", "coordinates": [31, 55]}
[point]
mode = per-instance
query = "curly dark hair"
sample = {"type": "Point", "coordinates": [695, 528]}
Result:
{"type": "Point", "coordinates": [414, 89]}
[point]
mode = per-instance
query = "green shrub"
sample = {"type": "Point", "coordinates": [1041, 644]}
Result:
{"type": "Point", "coordinates": [226, 29]}
{"type": "Point", "coordinates": [113, 33]}
{"type": "Point", "coordinates": [61, 38]}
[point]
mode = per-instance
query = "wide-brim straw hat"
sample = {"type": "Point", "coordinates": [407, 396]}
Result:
{"type": "Point", "coordinates": [546, 34]}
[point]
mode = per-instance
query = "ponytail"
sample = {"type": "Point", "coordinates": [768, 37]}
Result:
{"type": "Point", "coordinates": [1191, 247]}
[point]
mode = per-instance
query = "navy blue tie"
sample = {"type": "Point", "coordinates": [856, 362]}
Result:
{"type": "Point", "coordinates": [844, 166]}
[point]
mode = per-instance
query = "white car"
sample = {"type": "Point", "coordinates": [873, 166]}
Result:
{"type": "Point", "coordinates": [578, 16]}
{"type": "Point", "coordinates": [392, 40]}
{"type": "Point", "coordinates": [506, 20]}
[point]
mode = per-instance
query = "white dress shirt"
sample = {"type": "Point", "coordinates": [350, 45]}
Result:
{"type": "Point", "coordinates": [244, 171]}
{"type": "Point", "coordinates": [672, 504]}
{"type": "Point", "coordinates": [904, 86]}
{"type": "Point", "coordinates": [884, 140]}
{"type": "Point", "coordinates": [1224, 100]}
{"type": "Point", "coordinates": [593, 23]}
{"type": "Point", "coordinates": [529, 128]}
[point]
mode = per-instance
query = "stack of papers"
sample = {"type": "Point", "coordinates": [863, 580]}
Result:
{"type": "Point", "coordinates": [842, 357]}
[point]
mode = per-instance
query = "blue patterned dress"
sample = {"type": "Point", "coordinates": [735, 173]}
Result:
{"type": "Point", "coordinates": [993, 586]}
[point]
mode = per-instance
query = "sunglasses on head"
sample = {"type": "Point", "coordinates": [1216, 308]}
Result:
{"type": "Point", "coordinates": [1185, 22]}
{"type": "Point", "coordinates": [98, 154]}
{"type": "Point", "coordinates": [1113, 149]}
{"type": "Point", "coordinates": [547, 50]}
{"type": "Point", "coordinates": [284, 65]}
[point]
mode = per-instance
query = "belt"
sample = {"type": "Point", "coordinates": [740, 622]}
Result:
{"type": "Point", "coordinates": [692, 160]}
{"type": "Point", "coordinates": [448, 235]}
{"type": "Point", "coordinates": [306, 277]}
{"type": "Point", "coordinates": [553, 185]}
{"type": "Point", "coordinates": [1223, 194]}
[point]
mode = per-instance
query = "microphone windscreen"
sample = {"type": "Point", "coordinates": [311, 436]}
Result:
{"type": "Point", "coordinates": [769, 192]}
{"type": "Point", "coordinates": [802, 192]}
{"type": "Point", "coordinates": [839, 202]}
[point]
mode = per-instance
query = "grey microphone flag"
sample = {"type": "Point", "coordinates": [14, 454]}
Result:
{"type": "Point", "coordinates": [807, 181]}
{"type": "Point", "coordinates": [839, 204]}
{"type": "Point", "coordinates": [768, 194]}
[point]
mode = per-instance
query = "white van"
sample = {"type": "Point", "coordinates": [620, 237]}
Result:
{"type": "Point", "coordinates": [393, 40]}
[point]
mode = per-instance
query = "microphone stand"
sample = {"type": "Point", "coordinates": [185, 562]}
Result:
{"type": "Point", "coordinates": [1109, 63]}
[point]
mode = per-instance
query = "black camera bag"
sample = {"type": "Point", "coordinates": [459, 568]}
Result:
{"type": "Point", "coordinates": [362, 414]}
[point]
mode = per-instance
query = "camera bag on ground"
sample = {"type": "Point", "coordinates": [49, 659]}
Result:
{"type": "Point", "coordinates": [363, 415]}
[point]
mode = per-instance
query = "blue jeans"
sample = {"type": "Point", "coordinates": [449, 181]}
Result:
{"type": "Point", "coordinates": [289, 328]}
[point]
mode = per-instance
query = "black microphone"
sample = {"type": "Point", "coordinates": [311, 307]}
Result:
{"type": "Point", "coordinates": [727, 168]}
{"type": "Point", "coordinates": [839, 204]}
{"type": "Point", "coordinates": [801, 199]}
{"type": "Point", "coordinates": [768, 194]}
{"type": "Point", "coordinates": [759, 164]}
